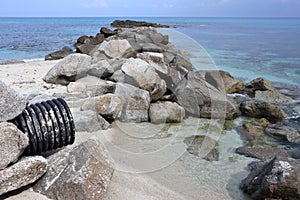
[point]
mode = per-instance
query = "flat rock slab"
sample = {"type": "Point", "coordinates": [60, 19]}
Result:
{"type": "Point", "coordinates": [81, 173]}
{"type": "Point", "coordinates": [262, 152]}
{"type": "Point", "coordinates": [11, 103]}
{"type": "Point", "coordinates": [23, 173]}
{"type": "Point", "coordinates": [12, 144]}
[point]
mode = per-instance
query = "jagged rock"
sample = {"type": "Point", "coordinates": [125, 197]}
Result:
{"type": "Point", "coordinates": [259, 84]}
{"type": "Point", "coordinates": [156, 60]}
{"type": "Point", "coordinates": [107, 32]}
{"type": "Point", "coordinates": [11, 103]}
{"type": "Point", "coordinates": [166, 112]}
{"type": "Point", "coordinates": [272, 96]}
{"type": "Point", "coordinates": [261, 152]}
{"type": "Point", "coordinates": [89, 121]}
{"type": "Point", "coordinates": [223, 81]}
{"type": "Point", "coordinates": [201, 99]}
{"type": "Point", "coordinates": [69, 69]}
{"type": "Point", "coordinates": [137, 102]}
{"type": "Point", "coordinates": [182, 59]}
{"type": "Point", "coordinates": [275, 179]}
{"type": "Point", "coordinates": [132, 24]}
{"type": "Point", "coordinates": [250, 132]}
{"type": "Point", "coordinates": [263, 110]}
{"type": "Point", "coordinates": [145, 77]}
{"type": "Point", "coordinates": [12, 144]}
{"type": "Point", "coordinates": [284, 132]}
{"type": "Point", "coordinates": [81, 173]}
{"type": "Point", "coordinates": [22, 173]}
{"type": "Point", "coordinates": [116, 49]}
{"type": "Point", "coordinates": [108, 105]}
{"type": "Point", "coordinates": [65, 51]}
{"type": "Point", "coordinates": [202, 146]}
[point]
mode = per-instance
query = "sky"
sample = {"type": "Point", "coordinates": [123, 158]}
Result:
{"type": "Point", "coordinates": [152, 8]}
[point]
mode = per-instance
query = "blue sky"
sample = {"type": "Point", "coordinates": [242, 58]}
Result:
{"type": "Point", "coordinates": [152, 8]}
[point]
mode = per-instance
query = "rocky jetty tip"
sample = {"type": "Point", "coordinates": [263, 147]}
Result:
{"type": "Point", "coordinates": [134, 24]}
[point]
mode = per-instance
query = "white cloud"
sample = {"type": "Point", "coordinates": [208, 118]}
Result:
{"type": "Point", "coordinates": [94, 4]}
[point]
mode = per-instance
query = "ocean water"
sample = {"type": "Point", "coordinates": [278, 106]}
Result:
{"type": "Point", "coordinates": [246, 47]}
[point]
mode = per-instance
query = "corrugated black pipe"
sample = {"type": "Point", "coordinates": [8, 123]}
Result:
{"type": "Point", "coordinates": [49, 125]}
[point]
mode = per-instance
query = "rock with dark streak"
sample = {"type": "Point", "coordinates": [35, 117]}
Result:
{"type": "Point", "coordinates": [274, 179]}
{"type": "Point", "coordinates": [81, 173]}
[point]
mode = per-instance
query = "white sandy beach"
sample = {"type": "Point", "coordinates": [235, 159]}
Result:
{"type": "Point", "coordinates": [188, 177]}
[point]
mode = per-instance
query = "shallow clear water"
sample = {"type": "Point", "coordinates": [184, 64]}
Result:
{"type": "Point", "coordinates": [246, 47]}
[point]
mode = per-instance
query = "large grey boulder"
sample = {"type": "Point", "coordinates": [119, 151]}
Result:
{"type": "Point", "coordinates": [69, 69]}
{"type": "Point", "coordinates": [89, 121]}
{"type": "Point", "coordinates": [166, 112]}
{"type": "Point", "coordinates": [223, 81]}
{"type": "Point", "coordinates": [137, 102]}
{"type": "Point", "coordinates": [12, 144]}
{"type": "Point", "coordinates": [81, 173]}
{"type": "Point", "coordinates": [24, 172]}
{"type": "Point", "coordinates": [263, 110]}
{"type": "Point", "coordinates": [202, 146]}
{"type": "Point", "coordinates": [11, 103]}
{"type": "Point", "coordinates": [275, 179]}
{"type": "Point", "coordinates": [101, 69]}
{"type": "Point", "coordinates": [201, 99]}
{"type": "Point", "coordinates": [108, 105]}
{"type": "Point", "coordinates": [145, 77]}
{"type": "Point", "coordinates": [116, 48]}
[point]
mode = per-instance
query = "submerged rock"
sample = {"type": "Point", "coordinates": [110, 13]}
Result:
{"type": "Point", "coordinates": [24, 172]}
{"type": "Point", "coordinates": [272, 96]}
{"type": "Point", "coordinates": [12, 144]}
{"type": "Point", "coordinates": [202, 146]}
{"type": "Point", "coordinates": [275, 179]}
{"type": "Point", "coordinates": [81, 173]}
{"type": "Point", "coordinates": [262, 152]}
{"type": "Point", "coordinates": [263, 110]}
{"type": "Point", "coordinates": [11, 103]}
{"type": "Point", "coordinates": [283, 132]}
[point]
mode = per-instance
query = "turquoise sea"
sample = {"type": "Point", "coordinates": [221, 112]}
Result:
{"type": "Point", "coordinates": [246, 47]}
